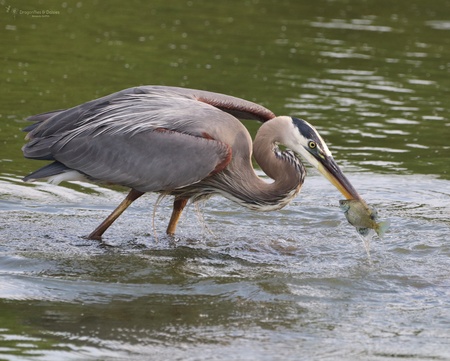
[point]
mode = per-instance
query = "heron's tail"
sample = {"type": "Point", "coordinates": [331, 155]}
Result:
{"type": "Point", "coordinates": [51, 170]}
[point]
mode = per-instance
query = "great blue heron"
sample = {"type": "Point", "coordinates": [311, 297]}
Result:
{"type": "Point", "coordinates": [182, 142]}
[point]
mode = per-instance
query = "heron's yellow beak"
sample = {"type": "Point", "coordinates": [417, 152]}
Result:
{"type": "Point", "coordinates": [331, 171]}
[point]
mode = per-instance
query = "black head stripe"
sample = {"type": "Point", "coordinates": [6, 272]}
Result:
{"type": "Point", "coordinates": [305, 129]}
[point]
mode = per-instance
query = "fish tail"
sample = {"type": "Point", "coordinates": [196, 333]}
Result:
{"type": "Point", "coordinates": [382, 227]}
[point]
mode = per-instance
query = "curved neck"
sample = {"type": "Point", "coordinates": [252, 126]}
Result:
{"type": "Point", "coordinates": [241, 184]}
{"type": "Point", "coordinates": [284, 168]}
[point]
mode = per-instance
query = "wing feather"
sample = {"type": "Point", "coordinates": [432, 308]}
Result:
{"type": "Point", "coordinates": [159, 101]}
{"type": "Point", "coordinates": [118, 138]}
{"type": "Point", "coordinates": [147, 161]}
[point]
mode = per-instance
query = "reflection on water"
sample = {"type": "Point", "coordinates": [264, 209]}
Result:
{"type": "Point", "coordinates": [368, 121]}
{"type": "Point", "coordinates": [372, 76]}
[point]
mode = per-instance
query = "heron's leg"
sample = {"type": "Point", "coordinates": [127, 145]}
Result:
{"type": "Point", "coordinates": [130, 198]}
{"type": "Point", "coordinates": [178, 206]}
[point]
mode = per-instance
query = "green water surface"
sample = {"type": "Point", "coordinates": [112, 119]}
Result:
{"type": "Point", "coordinates": [372, 75]}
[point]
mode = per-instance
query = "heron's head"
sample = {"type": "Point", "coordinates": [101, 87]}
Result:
{"type": "Point", "coordinates": [306, 141]}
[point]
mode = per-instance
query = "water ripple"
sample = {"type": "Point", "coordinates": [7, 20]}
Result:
{"type": "Point", "coordinates": [355, 24]}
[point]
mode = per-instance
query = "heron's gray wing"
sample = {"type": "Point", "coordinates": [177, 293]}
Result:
{"type": "Point", "coordinates": [133, 113]}
{"type": "Point", "coordinates": [148, 138]}
{"type": "Point", "coordinates": [59, 121]}
{"type": "Point", "coordinates": [144, 98]}
{"type": "Point", "coordinates": [158, 160]}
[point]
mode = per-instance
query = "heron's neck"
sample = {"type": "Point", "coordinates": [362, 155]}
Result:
{"type": "Point", "coordinates": [284, 168]}
{"type": "Point", "coordinates": [241, 184]}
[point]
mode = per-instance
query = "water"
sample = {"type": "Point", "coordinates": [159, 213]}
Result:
{"type": "Point", "coordinates": [372, 76]}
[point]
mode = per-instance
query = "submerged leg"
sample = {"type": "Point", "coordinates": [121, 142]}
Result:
{"type": "Point", "coordinates": [178, 206]}
{"type": "Point", "coordinates": [130, 198]}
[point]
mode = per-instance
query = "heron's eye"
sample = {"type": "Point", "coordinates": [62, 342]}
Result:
{"type": "Point", "coordinates": [311, 144]}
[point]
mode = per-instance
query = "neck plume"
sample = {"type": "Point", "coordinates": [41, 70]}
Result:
{"type": "Point", "coordinates": [241, 184]}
